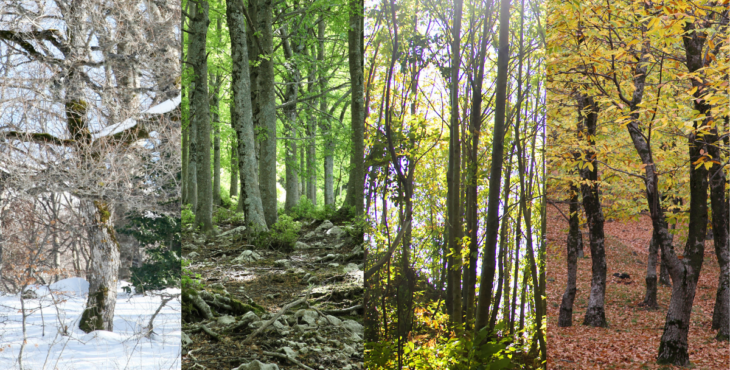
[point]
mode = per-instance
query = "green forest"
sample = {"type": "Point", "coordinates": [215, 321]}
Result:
{"type": "Point", "coordinates": [455, 122]}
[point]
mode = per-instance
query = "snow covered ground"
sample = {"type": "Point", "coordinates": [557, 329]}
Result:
{"type": "Point", "coordinates": [125, 348]}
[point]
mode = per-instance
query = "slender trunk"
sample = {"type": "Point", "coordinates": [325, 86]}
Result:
{"type": "Point", "coordinates": [241, 117]}
{"type": "Point", "coordinates": [267, 101]}
{"type": "Point", "coordinates": [356, 182]}
{"type": "Point", "coordinates": [214, 105]}
{"type": "Point", "coordinates": [290, 114]}
{"type": "Point", "coordinates": [595, 314]}
{"type": "Point", "coordinates": [454, 172]}
{"type": "Point", "coordinates": [495, 178]}
{"type": "Point", "coordinates": [104, 266]}
{"type": "Point", "coordinates": [566, 306]}
{"type": "Point", "coordinates": [518, 235]}
{"type": "Point", "coordinates": [200, 117]}
{"type": "Point", "coordinates": [720, 226]}
{"type": "Point", "coordinates": [185, 151]}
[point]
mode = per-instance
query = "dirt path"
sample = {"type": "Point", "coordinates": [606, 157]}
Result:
{"type": "Point", "coordinates": [632, 339]}
{"type": "Point", "coordinates": [324, 271]}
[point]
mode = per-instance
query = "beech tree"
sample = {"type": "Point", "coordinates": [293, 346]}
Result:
{"type": "Point", "coordinates": [78, 80]}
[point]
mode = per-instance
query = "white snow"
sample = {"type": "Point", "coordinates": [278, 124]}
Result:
{"type": "Point", "coordinates": [125, 348]}
{"type": "Point", "coordinates": [164, 107]}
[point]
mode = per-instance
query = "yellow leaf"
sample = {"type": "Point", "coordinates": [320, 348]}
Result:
{"type": "Point", "coordinates": [708, 165]}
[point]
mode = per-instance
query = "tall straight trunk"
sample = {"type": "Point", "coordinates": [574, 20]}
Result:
{"type": "Point", "coordinates": [566, 305]}
{"type": "Point", "coordinates": [328, 143]}
{"type": "Point", "coordinates": [201, 117]}
{"type": "Point", "coordinates": [302, 170]}
{"type": "Point", "coordinates": [234, 168]}
{"type": "Point", "coordinates": [192, 184]}
{"type": "Point", "coordinates": [500, 282]}
{"type": "Point", "coordinates": [185, 151]}
{"type": "Point", "coordinates": [685, 272]}
{"type": "Point", "coordinates": [454, 171]}
{"type": "Point", "coordinates": [313, 87]}
{"type": "Point", "coordinates": [475, 124]}
{"type": "Point", "coordinates": [241, 117]}
{"type": "Point", "coordinates": [103, 267]}
{"type": "Point", "coordinates": [267, 101]}
{"type": "Point", "coordinates": [254, 65]}
{"type": "Point", "coordinates": [518, 235]}
{"type": "Point", "coordinates": [355, 45]}
{"type": "Point", "coordinates": [595, 314]}
{"type": "Point", "coordinates": [720, 226]}
{"type": "Point", "coordinates": [495, 178]}
{"type": "Point", "coordinates": [215, 120]}
{"type": "Point", "coordinates": [290, 121]}
{"type": "Point", "coordinates": [651, 276]}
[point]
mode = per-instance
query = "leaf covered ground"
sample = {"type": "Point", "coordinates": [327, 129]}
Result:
{"type": "Point", "coordinates": [632, 339]}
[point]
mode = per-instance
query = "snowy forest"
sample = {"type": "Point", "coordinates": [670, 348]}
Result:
{"type": "Point", "coordinates": [89, 183]}
{"type": "Point", "coordinates": [454, 97]}
{"type": "Point", "coordinates": [638, 254]}
{"type": "Point", "coordinates": [272, 184]}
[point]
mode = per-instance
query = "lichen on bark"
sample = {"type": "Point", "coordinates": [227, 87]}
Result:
{"type": "Point", "coordinates": [92, 318]}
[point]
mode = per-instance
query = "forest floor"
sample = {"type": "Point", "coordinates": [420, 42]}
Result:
{"type": "Point", "coordinates": [632, 339]}
{"type": "Point", "coordinates": [324, 331]}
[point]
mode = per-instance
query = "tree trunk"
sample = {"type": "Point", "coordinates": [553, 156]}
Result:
{"type": "Point", "coordinates": [290, 122]}
{"type": "Point", "coordinates": [241, 117]}
{"type": "Point", "coordinates": [355, 44]}
{"type": "Point", "coordinates": [518, 235]}
{"type": "Point", "coordinates": [185, 151]}
{"type": "Point", "coordinates": [595, 314]}
{"type": "Point", "coordinates": [215, 120]}
{"type": "Point", "coordinates": [454, 172]}
{"type": "Point", "coordinates": [495, 178]}
{"type": "Point", "coordinates": [234, 168]}
{"type": "Point", "coordinates": [104, 266]}
{"type": "Point", "coordinates": [651, 278]}
{"type": "Point", "coordinates": [720, 226]}
{"type": "Point", "coordinates": [200, 117]}
{"type": "Point", "coordinates": [267, 101]}
{"type": "Point", "coordinates": [566, 306]}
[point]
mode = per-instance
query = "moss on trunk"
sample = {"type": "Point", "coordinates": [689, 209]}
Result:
{"type": "Point", "coordinates": [92, 318]}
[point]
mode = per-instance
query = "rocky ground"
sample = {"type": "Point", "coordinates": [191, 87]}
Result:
{"type": "Point", "coordinates": [275, 309]}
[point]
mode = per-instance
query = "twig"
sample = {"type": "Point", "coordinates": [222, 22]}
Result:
{"type": "Point", "coordinates": [162, 304]}
{"type": "Point", "coordinates": [343, 311]}
{"type": "Point", "coordinates": [292, 359]}
{"type": "Point", "coordinates": [276, 317]}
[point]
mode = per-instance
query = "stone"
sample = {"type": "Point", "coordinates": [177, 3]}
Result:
{"type": "Point", "coordinates": [249, 317]}
{"type": "Point", "coordinates": [280, 328]}
{"type": "Point", "coordinates": [353, 326]}
{"type": "Point", "coordinates": [289, 352]}
{"type": "Point", "coordinates": [233, 232]}
{"type": "Point", "coordinates": [193, 255]}
{"type": "Point", "coordinates": [329, 320]}
{"type": "Point", "coordinates": [337, 232]}
{"type": "Point", "coordinates": [246, 257]}
{"type": "Point", "coordinates": [324, 226]}
{"type": "Point", "coordinates": [226, 320]}
{"type": "Point", "coordinates": [282, 263]}
{"type": "Point", "coordinates": [307, 316]}
{"type": "Point", "coordinates": [300, 246]}
{"type": "Point", "coordinates": [351, 267]}
{"type": "Point", "coordinates": [309, 235]}
{"type": "Point", "coordinates": [299, 271]}
{"type": "Point", "coordinates": [185, 339]}
{"type": "Point", "coordinates": [257, 365]}
{"type": "Point", "coordinates": [333, 265]}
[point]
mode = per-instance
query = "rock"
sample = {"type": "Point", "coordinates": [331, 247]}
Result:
{"type": "Point", "coordinates": [226, 320]}
{"type": "Point", "coordinates": [324, 226]}
{"type": "Point", "coordinates": [29, 294]}
{"type": "Point", "coordinates": [337, 232]}
{"type": "Point", "coordinates": [353, 326]}
{"type": "Point", "coordinates": [330, 320]}
{"type": "Point", "coordinates": [282, 263]}
{"type": "Point", "coordinates": [218, 286]}
{"type": "Point", "coordinates": [257, 365]}
{"type": "Point", "coordinates": [246, 257]}
{"type": "Point", "coordinates": [233, 232]}
{"type": "Point", "coordinates": [333, 265]}
{"type": "Point", "coordinates": [299, 271]}
{"type": "Point", "coordinates": [307, 316]}
{"type": "Point", "coordinates": [281, 329]}
{"type": "Point", "coordinates": [349, 350]}
{"type": "Point", "coordinates": [192, 255]}
{"type": "Point", "coordinates": [309, 235]}
{"type": "Point", "coordinates": [351, 267]}
{"type": "Point", "coordinates": [249, 317]}
{"type": "Point", "coordinates": [289, 352]}
{"type": "Point", "coordinates": [300, 245]}
{"type": "Point", "coordinates": [185, 339]}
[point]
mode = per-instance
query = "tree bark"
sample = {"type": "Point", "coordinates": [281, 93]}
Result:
{"type": "Point", "coordinates": [267, 120]}
{"type": "Point", "coordinates": [215, 120]}
{"type": "Point", "coordinates": [651, 277]}
{"type": "Point", "coordinates": [355, 44]}
{"type": "Point", "coordinates": [565, 318]}
{"type": "Point", "coordinates": [495, 178]}
{"type": "Point", "coordinates": [241, 117]}
{"type": "Point", "coordinates": [595, 314]}
{"type": "Point", "coordinates": [290, 121]}
{"type": "Point", "coordinates": [103, 267]}
{"type": "Point", "coordinates": [234, 168]}
{"type": "Point", "coordinates": [201, 108]}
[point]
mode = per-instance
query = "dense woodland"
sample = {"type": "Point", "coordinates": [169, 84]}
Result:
{"type": "Point", "coordinates": [638, 125]}
{"type": "Point", "coordinates": [280, 124]}
{"type": "Point", "coordinates": [454, 96]}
